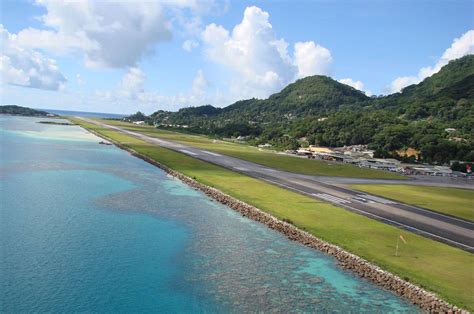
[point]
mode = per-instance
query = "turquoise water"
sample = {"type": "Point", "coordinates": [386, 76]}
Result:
{"type": "Point", "coordinates": [86, 113]}
{"type": "Point", "coordinates": [88, 227]}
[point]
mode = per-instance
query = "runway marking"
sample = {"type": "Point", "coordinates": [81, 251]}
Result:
{"type": "Point", "coordinates": [362, 200]}
{"type": "Point", "coordinates": [387, 220]}
{"type": "Point", "coordinates": [187, 152]}
{"type": "Point", "coordinates": [170, 144]}
{"type": "Point", "coordinates": [241, 168]}
{"type": "Point", "coordinates": [269, 169]}
{"type": "Point", "coordinates": [332, 198]}
{"type": "Point", "coordinates": [211, 153]}
{"type": "Point", "coordinates": [376, 199]}
{"type": "Point", "coordinates": [471, 225]}
{"type": "Point", "coordinates": [363, 212]}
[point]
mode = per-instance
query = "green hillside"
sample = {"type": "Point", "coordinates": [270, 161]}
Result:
{"type": "Point", "coordinates": [309, 96]}
{"type": "Point", "coordinates": [21, 111]}
{"type": "Point", "coordinates": [319, 110]}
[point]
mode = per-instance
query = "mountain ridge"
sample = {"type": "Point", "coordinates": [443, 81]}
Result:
{"type": "Point", "coordinates": [319, 110]}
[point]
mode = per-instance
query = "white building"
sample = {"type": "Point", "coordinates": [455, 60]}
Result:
{"type": "Point", "coordinates": [382, 164]}
{"type": "Point", "coordinates": [433, 171]}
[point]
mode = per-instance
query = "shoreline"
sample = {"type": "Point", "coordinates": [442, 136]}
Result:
{"type": "Point", "coordinates": [424, 299]}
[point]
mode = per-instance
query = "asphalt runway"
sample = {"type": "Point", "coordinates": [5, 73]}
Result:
{"type": "Point", "coordinates": [453, 231]}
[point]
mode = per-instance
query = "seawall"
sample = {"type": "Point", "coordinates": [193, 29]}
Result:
{"type": "Point", "coordinates": [424, 299]}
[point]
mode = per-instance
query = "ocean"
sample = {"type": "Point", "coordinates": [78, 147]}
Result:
{"type": "Point", "coordinates": [88, 227]}
{"type": "Point", "coordinates": [86, 114]}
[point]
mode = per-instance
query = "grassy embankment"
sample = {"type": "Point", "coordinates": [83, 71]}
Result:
{"type": "Point", "coordinates": [451, 201]}
{"type": "Point", "coordinates": [261, 156]}
{"type": "Point", "coordinates": [430, 264]}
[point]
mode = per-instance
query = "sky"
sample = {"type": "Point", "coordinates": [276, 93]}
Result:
{"type": "Point", "coordinates": [125, 56]}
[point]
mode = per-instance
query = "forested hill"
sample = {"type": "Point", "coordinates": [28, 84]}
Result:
{"type": "Point", "coordinates": [21, 111]}
{"type": "Point", "coordinates": [311, 96]}
{"type": "Point", "coordinates": [320, 110]}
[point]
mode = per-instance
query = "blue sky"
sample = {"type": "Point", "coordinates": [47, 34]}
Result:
{"type": "Point", "coordinates": [128, 56]}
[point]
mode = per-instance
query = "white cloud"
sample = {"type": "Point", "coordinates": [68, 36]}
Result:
{"type": "Point", "coordinates": [312, 59]}
{"type": "Point", "coordinates": [259, 59]}
{"type": "Point", "coordinates": [356, 84]}
{"type": "Point", "coordinates": [80, 80]}
{"type": "Point", "coordinates": [132, 82]}
{"type": "Point", "coordinates": [189, 45]}
{"type": "Point", "coordinates": [25, 67]}
{"type": "Point", "coordinates": [460, 47]}
{"type": "Point", "coordinates": [403, 81]}
{"type": "Point", "coordinates": [58, 42]}
{"type": "Point", "coordinates": [131, 90]}
{"type": "Point", "coordinates": [109, 34]}
{"type": "Point", "coordinates": [114, 34]}
{"type": "Point", "coordinates": [200, 83]}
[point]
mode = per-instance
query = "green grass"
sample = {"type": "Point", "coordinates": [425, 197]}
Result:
{"type": "Point", "coordinates": [451, 201]}
{"type": "Point", "coordinates": [437, 267]}
{"type": "Point", "coordinates": [261, 156]}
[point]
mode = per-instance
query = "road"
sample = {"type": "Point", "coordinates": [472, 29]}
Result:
{"type": "Point", "coordinates": [440, 227]}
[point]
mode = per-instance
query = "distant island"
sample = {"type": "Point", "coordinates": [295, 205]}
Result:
{"type": "Point", "coordinates": [24, 111]}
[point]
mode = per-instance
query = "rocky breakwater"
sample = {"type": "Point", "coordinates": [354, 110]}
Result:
{"type": "Point", "coordinates": [424, 299]}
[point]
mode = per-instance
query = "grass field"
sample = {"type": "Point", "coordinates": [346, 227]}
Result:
{"type": "Point", "coordinates": [451, 201]}
{"type": "Point", "coordinates": [435, 266]}
{"type": "Point", "coordinates": [261, 156]}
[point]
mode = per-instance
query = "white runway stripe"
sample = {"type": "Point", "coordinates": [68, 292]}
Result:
{"type": "Point", "coordinates": [269, 169]}
{"type": "Point", "coordinates": [332, 198]}
{"type": "Point", "coordinates": [241, 168]}
{"type": "Point", "coordinates": [211, 153]}
{"type": "Point", "coordinates": [377, 199]}
{"type": "Point", "coordinates": [187, 152]}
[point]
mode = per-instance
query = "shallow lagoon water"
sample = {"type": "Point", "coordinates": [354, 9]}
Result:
{"type": "Point", "coordinates": [88, 227]}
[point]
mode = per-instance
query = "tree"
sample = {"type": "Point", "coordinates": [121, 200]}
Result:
{"type": "Point", "coordinates": [138, 116]}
